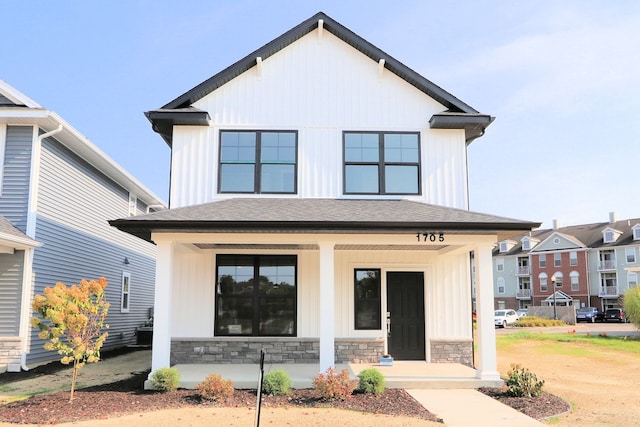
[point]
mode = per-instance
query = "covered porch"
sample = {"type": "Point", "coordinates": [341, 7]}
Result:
{"type": "Point", "coordinates": [402, 374]}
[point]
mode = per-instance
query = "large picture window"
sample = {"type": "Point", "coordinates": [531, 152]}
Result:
{"type": "Point", "coordinates": [258, 162]}
{"type": "Point", "coordinates": [367, 299]}
{"type": "Point", "coordinates": [256, 295]}
{"type": "Point", "coordinates": [381, 163]}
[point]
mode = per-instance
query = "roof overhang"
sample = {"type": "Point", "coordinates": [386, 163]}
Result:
{"type": "Point", "coordinates": [163, 120]}
{"type": "Point", "coordinates": [320, 216]}
{"type": "Point", "coordinates": [474, 125]}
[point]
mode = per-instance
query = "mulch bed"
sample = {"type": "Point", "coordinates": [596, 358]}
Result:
{"type": "Point", "coordinates": [128, 396]}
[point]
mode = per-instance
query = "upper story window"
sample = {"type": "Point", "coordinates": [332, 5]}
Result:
{"type": "Point", "coordinates": [258, 162]}
{"type": "Point", "coordinates": [631, 255]}
{"type": "Point", "coordinates": [133, 205]}
{"type": "Point", "coordinates": [501, 285]}
{"type": "Point", "coordinates": [573, 258]}
{"type": "Point", "coordinates": [636, 232]}
{"type": "Point", "coordinates": [381, 163]}
{"type": "Point", "coordinates": [542, 259]}
{"type": "Point", "coordinates": [500, 264]}
{"type": "Point", "coordinates": [557, 259]}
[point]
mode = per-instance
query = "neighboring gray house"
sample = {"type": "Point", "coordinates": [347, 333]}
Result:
{"type": "Point", "coordinates": [57, 191]}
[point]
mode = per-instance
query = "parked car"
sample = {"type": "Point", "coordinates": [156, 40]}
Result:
{"type": "Point", "coordinates": [615, 314]}
{"type": "Point", "coordinates": [589, 314]}
{"type": "Point", "coordinates": [503, 318]}
{"type": "Point", "coordinates": [523, 312]}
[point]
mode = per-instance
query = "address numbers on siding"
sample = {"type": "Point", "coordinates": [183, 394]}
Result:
{"type": "Point", "coordinates": [430, 237]}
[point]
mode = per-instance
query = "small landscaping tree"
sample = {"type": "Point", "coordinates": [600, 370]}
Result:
{"type": "Point", "coordinates": [75, 316]}
{"type": "Point", "coordinates": [632, 305]}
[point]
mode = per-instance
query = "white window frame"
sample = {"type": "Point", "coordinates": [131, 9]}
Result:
{"type": "Point", "coordinates": [631, 255]}
{"type": "Point", "coordinates": [133, 205]}
{"type": "Point", "coordinates": [557, 259]}
{"type": "Point", "coordinates": [526, 244]}
{"type": "Point", "coordinates": [501, 285]}
{"type": "Point", "coordinates": [632, 279]}
{"type": "Point", "coordinates": [542, 260]}
{"type": "Point", "coordinates": [573, 258]}
{"type": "Point", "coordinates": [543, 282]}
{"type": "Point", "coordinates": [608, 236]}
{"type": "Point", "coordinates": [125, 294]}
{"type": "Point", "coordinates": [575, 280]}
{"type": "Point", "coordinates": [499, 264]}
{"type": "Point", "coordinates": [636, 232]}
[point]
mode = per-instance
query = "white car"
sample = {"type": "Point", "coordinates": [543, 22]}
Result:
{"type": "Point", "coordinates": [503, 318]}
{"type": "Point", "coordinates": [523, 312]}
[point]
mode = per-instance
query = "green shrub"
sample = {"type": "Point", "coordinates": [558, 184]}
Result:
{"type": "Point", "coordinates": [165, 379]}
{"type": "Point", "coordinates": [215, 388]}
{"type": "Point", "coordinates": [632, 305]}
{"type": "Point", "coordinates": [276, 383]}
{"type": "Point", "coordinates": [529, 321]}
{"type": "Point", "coordinates": [371, 381]}
{"type": "Point", "coordinates": [523, 383]}
{"type": "Point", "coordinates": [333, 386]}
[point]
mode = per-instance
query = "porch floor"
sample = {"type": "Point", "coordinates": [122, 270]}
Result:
{"type": "Point", "coordinates": [403, 374]}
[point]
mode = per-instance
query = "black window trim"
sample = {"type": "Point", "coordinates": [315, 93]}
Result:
{"type": "Point", "coordinates": [355, 300]}
{"type": "Point", "coordinates": [257, 184]}
{"type": "Point", "coordinates": [381, 163]}
{"type": "Point", "coordinates": [256, 295]}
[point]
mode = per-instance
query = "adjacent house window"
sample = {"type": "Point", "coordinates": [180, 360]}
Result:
{"type": "Point", "coordinates": [632, 279]}
{"type": "Point", "coordinates": [381, 163]}
{"type": "Point", "coordinates": [133, 205]}
{"type": "Point", "coordinates": [501, 285]}
{"type": "Point", "coordinates": [543, 282]}
{"type": "Point", "coordinates": [542, 260]}
{"type": "Point", "coordinates": [125, 294]}
{"type": "Point", "coordinates": [367, 299]}
{"type": "Point", "coordinates": [258, 162]}
{"type": "Point", "coordinates": [256, 295]}
{"type": "Point", "coordinates": [526, 244]}
{"type": "Point", "coordinates": [500, 264]}
{"type": "Point", "coordinates": [575, 280]}
{"type": "Point", "coordinates": [573, 258]}
{"type": "Point", "coordinates": [557, 259]}
{"type": "Point", "coordinates": [557, 279]}
{"type": "Point", "coordinates": [631, 255]}
{"type": "Point", "coordinates": [636, 232]}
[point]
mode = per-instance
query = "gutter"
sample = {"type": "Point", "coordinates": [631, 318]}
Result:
{"type": "Point", "coordinates": [27, 283]}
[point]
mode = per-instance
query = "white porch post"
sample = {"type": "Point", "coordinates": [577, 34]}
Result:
{"type": "Point", "coordinates": [161, 351]}
{"type": "Point", "coordinates": [327, 306]}
{"type": "Point", "coordinates": [487, 366]}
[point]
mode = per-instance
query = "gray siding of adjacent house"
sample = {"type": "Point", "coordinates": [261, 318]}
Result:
{"type": "Point", "coordinates": [14, 197]}
{"type": "Point", "coordinates": [75, 201]}
{"type": "Point", "coordinates": [11, 269]}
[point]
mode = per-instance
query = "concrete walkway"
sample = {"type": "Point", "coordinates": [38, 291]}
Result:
{"type": "Point", "coordinates": [466, 407]}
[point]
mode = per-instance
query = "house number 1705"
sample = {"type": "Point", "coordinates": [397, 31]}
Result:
{"type": "Point", "coordinates": [430, 237]}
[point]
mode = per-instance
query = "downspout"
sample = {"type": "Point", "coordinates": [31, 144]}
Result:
{"type": "Point", "coordinates": [31, 232]}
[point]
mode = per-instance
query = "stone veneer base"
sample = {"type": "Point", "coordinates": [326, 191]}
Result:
{"type": "Point", "coordinates": [452, 351]}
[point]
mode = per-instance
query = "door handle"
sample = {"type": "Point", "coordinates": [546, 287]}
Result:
{"type": "Point", "coordinates": [388, 324]}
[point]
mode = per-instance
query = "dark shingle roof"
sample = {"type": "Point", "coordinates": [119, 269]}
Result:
{"type": "Point", "coordinates": [318, 215]}
{"type": "Point", "coordinates": [8, 231]}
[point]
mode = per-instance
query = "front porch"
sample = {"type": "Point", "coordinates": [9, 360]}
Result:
{"type": "Point", "coordinates": [403, 374]}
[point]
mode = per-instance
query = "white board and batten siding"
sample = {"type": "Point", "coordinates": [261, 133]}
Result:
{"type": "Point", "coordinates": [447, 291]}
{"type": "Point", "coordinates": [330, 88]}
{"type": "Point", "coordinates": [75, 202]}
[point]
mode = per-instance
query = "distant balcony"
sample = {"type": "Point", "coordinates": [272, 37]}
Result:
{"type": "Point", "coordinates": [609, 264]}
{"type": "Point", "coordinates": [523, 270]}
{"type": "Point", "coordinates": [523, 294]}
{"type": "Point", "coordinates": [609, 291]}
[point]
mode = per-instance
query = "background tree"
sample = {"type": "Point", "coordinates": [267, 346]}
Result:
{"type": "Point", "coordinates": [75, 316]}
{"type": "Point", "coordinates": [632, 305]}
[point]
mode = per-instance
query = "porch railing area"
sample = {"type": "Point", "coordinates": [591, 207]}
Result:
{"type": "Point", "coordinates": [609, 264]}
{"type": "Point", "coordinates": [523, 270]}
{"type": "Point", "coordinates": [523, 294]}
{"type": "Point", "coordinates": [609, 291]}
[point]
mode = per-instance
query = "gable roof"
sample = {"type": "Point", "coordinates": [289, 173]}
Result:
{"type": "Point", "coordinates": [458, 115]}
{"type": "Point", "coordinates": [20, 109]}
{"type": "Point", "coordinates": [319, 215]}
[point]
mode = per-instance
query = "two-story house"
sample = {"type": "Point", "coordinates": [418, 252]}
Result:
{"type": "Point", "coordinates": [583, 265]}
{"type": "Point", "coordinates": [319, 210]}
{"type": "Point", "coordinates": [57, 191]}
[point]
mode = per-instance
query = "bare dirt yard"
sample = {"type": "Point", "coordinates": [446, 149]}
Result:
{"type": "Point", "coordinates": [601, 385]}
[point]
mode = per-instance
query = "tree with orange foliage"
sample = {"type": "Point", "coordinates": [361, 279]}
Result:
{"type": "Point", "coordinates": [76, 316]}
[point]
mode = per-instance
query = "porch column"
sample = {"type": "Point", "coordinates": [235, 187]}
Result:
{"type": "Point", "coordinates": [327, 306]}
{"type": "Point", "coordinates": [161, 351]}
{"type": "Point", "coordinates": [487, 366]}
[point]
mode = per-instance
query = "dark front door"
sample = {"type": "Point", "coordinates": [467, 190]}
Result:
{"type": "Point", "coordinates": [405, 304]}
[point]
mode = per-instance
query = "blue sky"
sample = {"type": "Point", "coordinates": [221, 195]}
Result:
{"type": "Point", "coordinates": [562, 79]}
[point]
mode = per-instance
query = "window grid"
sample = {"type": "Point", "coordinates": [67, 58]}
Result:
{"type": "Point", "coordinates": [125, 292]}
{"type": "Point", "coordinates": [381, 163]}
{"type": "Point", "coordinates": [542, 259]}
{"type": "Point", "coordinates": [258, 162]}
